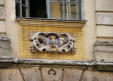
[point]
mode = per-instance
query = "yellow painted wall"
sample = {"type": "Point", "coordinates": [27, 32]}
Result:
{"type": "Point", "coordinates": [14, 32]}
{"type": "Point", "coordinates": [24, 43]}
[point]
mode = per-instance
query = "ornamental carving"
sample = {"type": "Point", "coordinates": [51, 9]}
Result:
{"type": "Point", "coordinates": [52, 42]}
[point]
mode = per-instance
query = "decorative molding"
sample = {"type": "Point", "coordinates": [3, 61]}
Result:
{"type": "Point", "coordinates": [51, 22]}
{"type": "Point", "coordinates": [52, 72]}
{"type": "Point", "coordinates": [104, 43]}
{"type": "Point", "coordinates": [52, 42]}
{"type": "Point", "coordinates": [13, 60]}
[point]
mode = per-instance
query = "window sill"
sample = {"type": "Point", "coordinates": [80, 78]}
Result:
{"type": "Point", "coordinates": [51, 22]}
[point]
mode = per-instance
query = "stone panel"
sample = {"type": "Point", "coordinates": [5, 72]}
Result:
{"type": "Point", "coordinates": [91, 76]}
{"type": "Point", "coordinates": [52, 74]}
{"type": "Point", "coordinates": [2, 26]}
{"type": "Point", "coordinates": [10, 75]}
{"type": "Point", "coordinates": [104, 48]}
{"type": "Point", "coordinates": [72, 75]}
{"type": "Point", "coordinates": [31, 74]}
{"type": "Point", "coordinates": [5, 49]}
{"type": "Point", "coordinates": [5, 52]}
{"type": "Point", "coordinates": [104, 56]}
{"type": "Point", "coordinates": [106, 5]}
{"type": "Point", "coordinates": [5, 44]}
{"type": "Point", "coordinates": [105, 31]}
{"type": "Point", "coordinates": [107, 76]}
{"type": "Point", "coordinates": [2, 13]}
{"type": "Point", "coordinates": [104, 18]}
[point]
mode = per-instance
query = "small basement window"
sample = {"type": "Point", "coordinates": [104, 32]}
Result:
{"type": "Point", "coordinates": [51, 9]}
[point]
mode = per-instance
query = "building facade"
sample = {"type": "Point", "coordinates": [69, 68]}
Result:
{"type": "Point", "coordinates": [56, 40]}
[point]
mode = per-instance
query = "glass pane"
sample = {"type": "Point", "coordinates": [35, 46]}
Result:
{"type": "Point", "coordinates": [60, 10]}
{"type": "Point", "coordinates": [17, 0]}
{"type": "Point", "coordinates": [73, 0]}
{"type": "Point", "coordinates": [74, 16]}
{"type": "Point", "coordinates": [24, 2]}
{"type": "Point", "coordinates": [74, 12]}
{"type": "Point", "coordinates": [64, 10]}
{"type": "Point", "coordinates": [73, 3]}
{"type": "Point", "coordinates": [67, 11]}
{"type": "Point", "coordinates": [56, 0]}
{"type": "Point", "coordinates": [38, 8]}
{"type": "Point", "coordinates": [23, 11]}
{"type": "Point", "coordinates": [59, 0]}
{"type": "Point", "coordinates": [56, 10]}
{"type": "Point", "coordinates": [17, 10]}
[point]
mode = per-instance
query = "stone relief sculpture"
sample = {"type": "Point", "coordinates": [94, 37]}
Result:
{"type": "Point", "coordinates": [52, 42]}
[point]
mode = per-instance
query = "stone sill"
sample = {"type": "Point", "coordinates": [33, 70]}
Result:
{"type": "Point", "coordinates": [51, 22]}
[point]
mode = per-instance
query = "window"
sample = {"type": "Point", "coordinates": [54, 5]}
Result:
{"type": "Point", "coordinates": [22, 8]}
{"type": "Point", "coordinates": [51, 9]}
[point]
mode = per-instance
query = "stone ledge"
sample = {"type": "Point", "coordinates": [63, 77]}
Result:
{"type": "Point", "coordinates": [51, 22]}
{"type": "Point", "coordinates": [4, 37]}
{"type": "Point", "coordinates": [5, 59]}
{"type": "Point", "coordinates": [104, 43]}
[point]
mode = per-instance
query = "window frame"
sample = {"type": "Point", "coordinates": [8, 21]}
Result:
{"type": "Point", "coordinates": [78, 2]}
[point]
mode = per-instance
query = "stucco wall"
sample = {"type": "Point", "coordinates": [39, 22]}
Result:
{"type": "Point", "coordinates": [24, 43]}
{"type": "Point", "coordinates": [90, 27]}
{"type": "Point", "coordinates": [11, 26]}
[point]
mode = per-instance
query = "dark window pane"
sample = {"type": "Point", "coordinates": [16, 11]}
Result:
{"type": "Point", "coordinates": [38, 8]}
{"type": "Point", "coordinates": [17, 1]}
{"type": "Point", "coordinates": [24, 2]}
{"type": "Point", "coordinates": [23, 11]}
{"type": "Point", "coordinates": [73, 0]}
{"type": "Point", "coordinates": [17, 10]}
{"type": "Point", "coordinates": [56, 0]}
{"type": "Point", "coordinates": [59, 9]}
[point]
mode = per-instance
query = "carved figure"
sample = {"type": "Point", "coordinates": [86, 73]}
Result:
{"type": "Point", "coordinates": [52, 42]}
